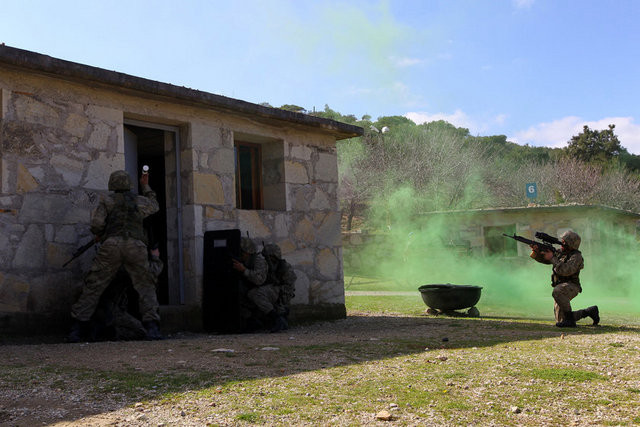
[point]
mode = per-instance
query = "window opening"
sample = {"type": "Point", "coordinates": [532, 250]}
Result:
{"type": "Point", "coordinates": [497, 244]}
{"type": "Point", "coordinates": [248, 175]}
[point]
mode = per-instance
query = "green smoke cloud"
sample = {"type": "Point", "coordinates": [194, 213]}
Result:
{"type": "Point", "coordinates": [411, 249]}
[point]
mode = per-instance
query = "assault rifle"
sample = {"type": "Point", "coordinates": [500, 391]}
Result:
{"type": "Point", "coordinates": [546, 244]}
{"type": "Point", "coordinates": [82, 249]}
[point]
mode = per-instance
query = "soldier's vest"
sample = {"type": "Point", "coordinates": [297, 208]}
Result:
{"type": "Point", "coordinates": [276, 277]}
{"type": "Point", "coordinates": [556, 279]}
{"type": "Point", "coordinates": [125, 219]}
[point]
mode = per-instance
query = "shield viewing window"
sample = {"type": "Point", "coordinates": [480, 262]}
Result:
{"type": "Point", "coordinates": [248, 175]}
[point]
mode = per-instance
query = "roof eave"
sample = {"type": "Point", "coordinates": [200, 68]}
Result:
{"type": "Point", "coordinates": [68, 70]}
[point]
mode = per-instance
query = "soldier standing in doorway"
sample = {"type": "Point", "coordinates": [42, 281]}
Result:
{"type": "Point", "coordinates": [118, 221]}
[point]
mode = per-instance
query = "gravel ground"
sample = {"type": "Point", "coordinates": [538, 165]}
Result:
{"type": "Point", "coordinates": [65, 384]}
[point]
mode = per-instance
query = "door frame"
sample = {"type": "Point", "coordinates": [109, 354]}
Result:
{"type": "Point", "coordinates": [176, 140]}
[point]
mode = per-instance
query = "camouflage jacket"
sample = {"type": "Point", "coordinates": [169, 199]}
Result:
{"type": "Point", "coordinates": [256, 270]}
{"type": "Point", "coordinates": [281, 274]}
{"type": "Point", "coordinates": [566, 267]}
{"type": "Point", "coordinates": [146, 205]}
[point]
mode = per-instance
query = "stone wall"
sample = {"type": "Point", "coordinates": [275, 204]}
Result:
{"type": "Point", "coordinates": [60, 141]}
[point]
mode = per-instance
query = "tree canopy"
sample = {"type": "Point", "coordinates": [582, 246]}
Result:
{"type": "Point", "coordinates": [594, 145]}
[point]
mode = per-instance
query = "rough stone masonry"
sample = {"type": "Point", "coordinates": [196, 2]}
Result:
{"type": "Point", "coordinates": [62, 130]}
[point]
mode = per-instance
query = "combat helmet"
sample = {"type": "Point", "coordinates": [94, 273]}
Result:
{"type": "Point", "coordinates": [119, 181]}
{"type": "Point", "coordinates": [272, 251]}
{"type": "Point", "coordinates": [571, 239]}
{"type": "Point", "coordinates": [247, 246]}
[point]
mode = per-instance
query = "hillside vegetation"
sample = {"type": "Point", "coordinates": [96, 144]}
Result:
{"type": "Point", "coordinates": [436, 166]}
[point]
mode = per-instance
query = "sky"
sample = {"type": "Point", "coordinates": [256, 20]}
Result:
{"type": "Point", "coordinates": [536, 71]}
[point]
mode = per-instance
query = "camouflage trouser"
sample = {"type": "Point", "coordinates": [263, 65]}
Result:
{"type": "Point", "coordinates": [562, 294]}
{"type": "Point", "coordinates": [264, 297]}
{"type": "Point", "coordinates": [114, 253]}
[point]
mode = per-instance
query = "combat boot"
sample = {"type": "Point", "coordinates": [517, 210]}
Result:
{"type": "Point", "coordinates": [568, 321]}
{"type": "Point", "coordinates": [594, 313]}
{"type": "Point", "coordinates": [279, 324]}
{"type": "Point", "coordinates": [79, 332]}
{"type": "Point", "coordinates": [153, 331]}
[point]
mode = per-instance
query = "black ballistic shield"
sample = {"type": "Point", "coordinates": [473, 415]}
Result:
{"type": "Point", "coordinates": [221, 283]}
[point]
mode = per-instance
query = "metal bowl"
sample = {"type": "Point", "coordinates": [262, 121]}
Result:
{"type": "Point", "coordinates": [450, 297]}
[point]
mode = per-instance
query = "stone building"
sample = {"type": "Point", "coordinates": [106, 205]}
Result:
{"type": "Point", "coordinates": [479, 232]}
{"type": "Point", "coordinates": [216, 164]}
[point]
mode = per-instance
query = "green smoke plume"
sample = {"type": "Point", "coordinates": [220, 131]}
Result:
{"type": "Point", "coordinates": [416, 171]}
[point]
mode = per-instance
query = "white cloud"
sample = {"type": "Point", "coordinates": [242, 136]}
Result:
{"type": "Point", "coordinates": [405, 61]}
{"type": "Point", "coordinates": [558, 132]}
{"type": "Point", "coordinates": [522, 4]}
{"type": "Point", "coordinates": [500, 119]}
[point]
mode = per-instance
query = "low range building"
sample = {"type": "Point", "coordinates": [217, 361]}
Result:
{"type": "Point", "coordinates": [217, 163]}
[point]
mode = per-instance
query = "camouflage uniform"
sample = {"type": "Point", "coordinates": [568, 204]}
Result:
{"type": "Point", "coordinates": [112, 319]}
{"type": "Point", "coordinates": [281, 277]}
{"type": "Point", "coordinates": [252, 277]}
{"type": "Point", "coordinates": [565, 280]}
{"type": "Point", "coordinates": [118, 219]}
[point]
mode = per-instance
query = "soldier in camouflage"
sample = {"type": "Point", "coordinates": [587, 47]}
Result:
{"type": "Point", "coordinates": [112, 320]}
{"type": "Point", "coordinates": [118, 221]}
{"type": "Point", "coordinates": [253, 272]}
{"type": "Point", "coordinates": [565, 280]}
{"type": "Point", "coordinates": [279, 288]}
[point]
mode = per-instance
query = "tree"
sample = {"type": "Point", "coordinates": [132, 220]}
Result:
{"type": "Point", "coordinates": [293, 107]}
{"type": "Point", "coordinates": [443, 126]}
{"type": "Point", "coordinates": [392, 122]}
{"type": "Point", "coordinates": [595, 146]}
{"type": "Point", "coordinates": [328, 113]}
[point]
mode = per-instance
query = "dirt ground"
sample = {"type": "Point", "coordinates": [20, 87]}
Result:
{"type": "Point", "coordinates": [27, 399]}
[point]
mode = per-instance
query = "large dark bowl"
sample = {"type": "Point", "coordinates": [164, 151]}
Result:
{"type": "Point", "coordinates": [450, 297]}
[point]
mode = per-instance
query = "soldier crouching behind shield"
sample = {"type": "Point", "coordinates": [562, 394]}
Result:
{"type": "Point", "coordinates": [567, 263]}
{"type": "Point", "coordinates": [118, 220]}
{"type": "Point", "coordinates": [281, 282]}
{"type": "Point", "coordinates": [253, 269]}
{"type": "Point", "coordinates": [267, 286]}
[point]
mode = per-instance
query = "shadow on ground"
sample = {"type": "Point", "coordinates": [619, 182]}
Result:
{"type": "Point", "coordinates": [46, 383]}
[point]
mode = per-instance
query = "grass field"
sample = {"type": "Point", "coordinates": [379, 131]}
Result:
{"type": "Point", "coordinates": [383, 295]}
{"type": "Point", "coordinates": [387, 360]}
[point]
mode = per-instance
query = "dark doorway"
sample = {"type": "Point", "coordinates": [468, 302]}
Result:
{"type": "Point", "coordinates": [149, 150]}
